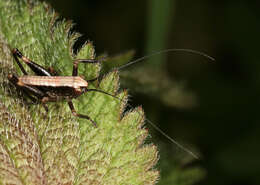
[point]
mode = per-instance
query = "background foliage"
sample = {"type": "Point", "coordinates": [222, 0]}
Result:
{"type": "Point", "coordinates": [220, 116]}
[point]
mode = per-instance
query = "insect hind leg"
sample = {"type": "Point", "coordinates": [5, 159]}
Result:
{"type": "Point", "coordinates": [36, 68]}
{"type": "Point", "coordinates": [16, 54]}
{"type": "Point", "coordinates": [80, 115]}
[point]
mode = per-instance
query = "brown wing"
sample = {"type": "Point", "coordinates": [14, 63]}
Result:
{"type": "Point", "coordinates": [54, 81]}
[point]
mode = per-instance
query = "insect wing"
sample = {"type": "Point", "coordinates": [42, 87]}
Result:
{"type": "Point", "coordinates": [54, 81]}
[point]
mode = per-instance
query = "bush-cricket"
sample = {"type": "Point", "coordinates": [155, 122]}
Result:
{"type": "Point", "coordinates": [46, 86]}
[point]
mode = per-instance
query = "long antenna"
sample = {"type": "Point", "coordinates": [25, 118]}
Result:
{"type": "Point", "coordinates": [172, 140]}
{"type": "Point", "coordinates": [149, 121]}
{"type": "Point", "coordinates": [165, 51]}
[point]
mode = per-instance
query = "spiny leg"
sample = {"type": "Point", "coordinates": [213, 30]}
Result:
{"type": "Point", "coordinates": [80, 115]}
{"type": "Point", "coordinates": [76, 63]}
{"type": "Point", "coordinates": [39, 70]}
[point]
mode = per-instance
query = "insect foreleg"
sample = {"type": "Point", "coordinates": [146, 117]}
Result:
{"type": "Point", "coordinates": [80, 115]}
{"type": "Point", "coordinates": [76, 63]}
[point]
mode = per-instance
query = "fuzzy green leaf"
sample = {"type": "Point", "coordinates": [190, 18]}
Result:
{"type": "Point", "coordinates": [59, 148]}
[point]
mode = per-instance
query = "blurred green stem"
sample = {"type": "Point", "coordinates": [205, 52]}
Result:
{"type": "Point", "coordinates": [160, 16]}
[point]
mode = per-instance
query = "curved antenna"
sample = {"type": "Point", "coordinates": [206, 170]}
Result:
{"type": "Point", "coordinates": [149, 121]}
{"type": "Point", "coordinates": [165, 51]}
{"type": "Point", "coordinates": [152, 124]}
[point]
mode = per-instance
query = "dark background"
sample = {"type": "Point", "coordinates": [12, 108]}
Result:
{"type": "Point", "coordinates": [217, 113]}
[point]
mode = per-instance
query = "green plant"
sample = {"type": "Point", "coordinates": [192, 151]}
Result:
{"type": "Point", "coordinates": [61, 149]}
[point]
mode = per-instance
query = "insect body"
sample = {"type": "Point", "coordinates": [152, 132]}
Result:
{"type": "Point", "coordinates": [48, 88]}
